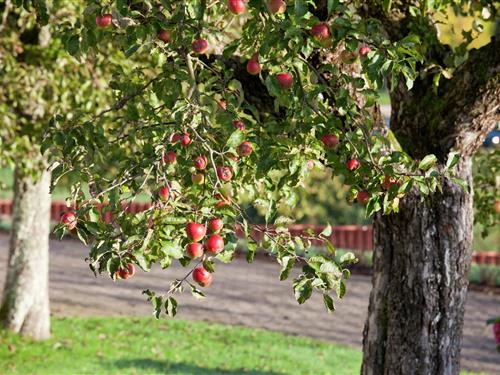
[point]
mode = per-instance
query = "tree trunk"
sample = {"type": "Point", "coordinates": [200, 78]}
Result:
{"type": "Point", "coordinates": [421, 262]}
{"type": "Point", "coordinates": [25, 303]}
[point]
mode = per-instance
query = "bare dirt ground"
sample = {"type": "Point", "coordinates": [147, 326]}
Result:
{"type": "Point", "coordinates": [243, 294]}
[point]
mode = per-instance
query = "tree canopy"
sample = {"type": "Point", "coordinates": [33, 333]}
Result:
{"type": "Point", "coordinates": [214, 99]}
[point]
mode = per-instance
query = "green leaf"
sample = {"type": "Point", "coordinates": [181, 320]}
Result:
{"type": "Point", "coordinates": [156, 301]}
{"type": "Point", "coordinates": [453, 159]}
{"type": "Point", "coordinates": [331, 5]}
{"type": "Point", "coordinates": [209, 265]}
{"type": "Point", "coordinates": [406, 187]}
{"type": "Point", "coordinates": [303, 290]}
{"type": "Point", "coordinates": [328, 303]}
{"type": "Point", "coordinates": [73, 45]}
{"type": "Point", "coordinates": [287, 263]}
{"type": "Point", "coordinates": [112, 265]}
{"type": "Point", "coordinates": [387, 4]}
{"type": "Point", "coordinates": [42, 15]}
{"type": "Point", "coordinates": [133, 49]}
{"type": "Point", "coordinates": [225, 256]}
{"type": "Point", "coordinates": [144, 263]}
{"type": "Point", "coordinates": [82, 235]}
{"type": "Point", "coordinates": [330, 247]}
{"type": "Point", "coordinates": [172, 249]}
{"type": "Point", "coordinates": [330, 267]}
{"type": "Point", "coordinates": [170, 307]}
{"type": "Point", "coordinates": [341, 289]}
{"type": "Point", "coordinates": [461, 183]}
{"type": "Point", "coordinates": [300, 8]}
{"type": "Point", "coordinates": [348, 258]}
{"type": "Point", "coordinates": [236, 138]}
{"type": "Point", "coordinates": [251, 249]}
{"type": "Point", "coordinates": [327, 232]}
{"type": "Point", "coordinates": [427, 162]}
{"type": "Point", "coordinates": [196, 292]}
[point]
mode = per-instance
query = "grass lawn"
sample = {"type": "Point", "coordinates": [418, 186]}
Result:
{"type": "Point", "coordinates": [148, 346]}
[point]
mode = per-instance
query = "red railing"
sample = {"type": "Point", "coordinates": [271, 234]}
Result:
{"type": "Point", "coordinates": [352, 237]}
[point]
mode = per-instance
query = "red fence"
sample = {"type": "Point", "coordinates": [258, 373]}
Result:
{"type": "Point", "coordinates": [352, 237]}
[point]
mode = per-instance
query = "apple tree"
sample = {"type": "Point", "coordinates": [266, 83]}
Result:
{"type": "Point", "coordinates": [244, 97]}
{"type": "Point", "coordinates": [38, 80]}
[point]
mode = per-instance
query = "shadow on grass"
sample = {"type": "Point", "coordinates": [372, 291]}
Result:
{"type": "Point", "coordinates": [164, 367]}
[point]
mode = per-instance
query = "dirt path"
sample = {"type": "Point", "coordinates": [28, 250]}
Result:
{"type": "Point", "coordinates": [243, 294]}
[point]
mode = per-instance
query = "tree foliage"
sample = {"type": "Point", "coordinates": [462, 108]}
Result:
{"type": "Point", "coordinates": [313, 103]}
{"type": "Point", "coordinates": [487, 189]}
{"type": "Point", "coordinates": [39, 80]}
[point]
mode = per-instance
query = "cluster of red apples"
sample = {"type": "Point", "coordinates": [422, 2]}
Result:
{"type": "Point", "coordinates": [330, 142]}
{"type": "Point", "coordinates": [212, 246]}
{"type": "Point", "coordinates": [224, 173]}
{"type": "Point", "coordinates": [195, 232]}
{"type": "Point", "coordinates": [70, 221]}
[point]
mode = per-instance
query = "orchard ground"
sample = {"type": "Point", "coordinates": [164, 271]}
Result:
{"type": "Point", "coordinates": [241, 295]}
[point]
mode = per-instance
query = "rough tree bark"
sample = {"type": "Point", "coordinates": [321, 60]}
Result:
{"type": "Point", "coordinates": [422, 254]}
{"type": "Point", "coordinates": [25, 302]}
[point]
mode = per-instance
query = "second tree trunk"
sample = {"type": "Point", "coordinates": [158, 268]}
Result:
{"type": "Point", "coordinates": [25, 301]}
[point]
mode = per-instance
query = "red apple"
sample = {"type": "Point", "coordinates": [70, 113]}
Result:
{"type": "Point", "coordinates": [194, 250]}
{"type": "Point", "coordinates": [200, 162]}
{"type": "Point", "coordinates": [365, 50]}
{"type": "Point", "coordinates": [363, 196]}
{"type": "Point", "coordinates": [169, 157]}
{"type": "Point", "coordinates": [497, 206]}
{"type": "Point", "coordinates": [104, 20]}
{"type": "Point", "coordinates": [285, 80]}
{"type": "Point", "coordinates": [199, 46]}
{"type": "Point", "coordinates": [69, 219]}
{"type": "Point", "coordinates": [244, 149]}
{"type": "Point", "coordinates": [310, 165]}
{"type": "Point", "coordinates": [126, 273]}
{"type": "Point", "coordinates": [352, 164]}
{"type": "Point", "coordinates": [236, 6]}
{"type": "Point", "coordinates": [202, 276]}
{"type": "Point", "coordinates": [215, 225]}
{"type": "Point", "coordinates": [276, 6]}
{"type": "Point", "coordinates": [238, 124]}
{"type": "Point", "coordinates": [221, 203]}
{"type": "Point", "coordinates": [222, 104]}
{"type": "Point", "coordinates": [164, 36]}
{"type": "Point", "coordinates": [389, 182]}
{"type": "Point", "coordinates": [253, 66]}
{"type": "Point", "coordinates": [320, 31]}
{"type": "Point", "coordinates": [224, 173]}
{"type": "Point", "coordinates": [214, 244]}
{"type": "Point", "coordinates": [185, 140]}
{"type": "Point", "coordinates": [198, 178]}
{"type": "Point", "coordinates": [195, 231]}
{"type": "Point", "coordinates": [164, 193]}
{"type": "Point", "coordinates": [330, 140]}
{"type": "Point", "coordinates": [176, 137]}
{"type": "Point", "coordinates": [223, 200]}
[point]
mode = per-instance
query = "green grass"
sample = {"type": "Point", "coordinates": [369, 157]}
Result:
{"type": "Point", "coordinates": [147, 346]}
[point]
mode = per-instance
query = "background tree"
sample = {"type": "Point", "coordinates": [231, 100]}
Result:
{"type": "Point", "coordinates": [39, 79]}
{"type": "Point", "coordinates": [202, 95]}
